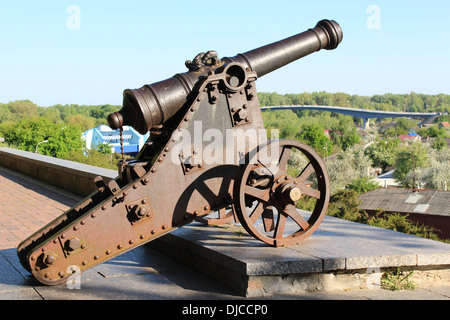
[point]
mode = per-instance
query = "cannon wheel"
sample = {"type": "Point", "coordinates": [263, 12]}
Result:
{"type": "Point", "coordinates": [277, 178]}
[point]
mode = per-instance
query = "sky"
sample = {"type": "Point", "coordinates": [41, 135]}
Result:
{"type": "Point", "coordinates": [90, 51]}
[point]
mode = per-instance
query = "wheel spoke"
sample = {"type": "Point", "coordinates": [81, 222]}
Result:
{"type": "Point", "coordinates": [267, 216]}
{"type": "Point", "coordinates": [285, 154]}
{"type": "Point", "coordinates": [309, 191]}
{"type": "Point", "coordinates": [257, 212]}
{"type": "Point", "coordinates": [292, 211]}
{"type": "Point", "coordinates": [307, 171]}
{"type": "Point", "coordinates": [257, 193]}
{"type": "Point", "coordinates": [280, 225]}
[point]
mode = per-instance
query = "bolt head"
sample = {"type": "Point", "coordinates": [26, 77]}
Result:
{"type": "Point", "coordinates": [73, 243]}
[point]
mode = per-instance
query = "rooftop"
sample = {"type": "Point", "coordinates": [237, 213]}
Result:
{"type": "Point", "coordinates": [433, 202]}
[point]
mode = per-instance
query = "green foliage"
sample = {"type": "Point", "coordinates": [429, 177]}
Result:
{"type": "Point", "coordinates": [313, 135]}
{"type": "Point", "coordinates": [436, 173]}
{"type": "Point", "coordinates": [27, 133]}
{"type": "Point", "coordinates": [383, 153]}
{"type": "Point", "coordinates": [95, 158]}
{"type": "Point", "coordinates": [412, 102]}
{"type": "Point", "coordinates": [401, 223]}
{"type": "Point", "coordinates": [362, 185]}
{"type": "Point", "coordinates": [409, 158]}
{"type": "Point", "coordinates": [397, 280]}
{"type": "Point", "coordinates": [349, 165]}
{"type": "Point", "coordinates": [345, 205]}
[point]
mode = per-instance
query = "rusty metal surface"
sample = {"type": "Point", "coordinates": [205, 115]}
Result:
{"type": "Point", "coordinates": [268, 191]}
{"type": "Point", "coordinates": [178, 176]}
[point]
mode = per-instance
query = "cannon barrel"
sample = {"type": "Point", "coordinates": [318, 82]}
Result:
{"type": "Point", "coordinates": [154, 104]}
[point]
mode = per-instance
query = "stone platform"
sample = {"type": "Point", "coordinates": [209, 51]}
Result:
{"type": "Point", "coordinates": [340, 255]}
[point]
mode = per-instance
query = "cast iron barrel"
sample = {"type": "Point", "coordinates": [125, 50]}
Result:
{"type": "Point", "coordinates": [154, 104]}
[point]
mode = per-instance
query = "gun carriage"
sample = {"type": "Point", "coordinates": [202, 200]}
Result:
{"type": "Point", "coordinates": [208, 152]}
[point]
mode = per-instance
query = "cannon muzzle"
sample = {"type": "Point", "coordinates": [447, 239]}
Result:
{"type": "Point", "coordinates": [154, 104]}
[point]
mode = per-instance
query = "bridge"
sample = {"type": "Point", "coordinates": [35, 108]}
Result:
{"type": "Point", "coordinates": [366, 114]}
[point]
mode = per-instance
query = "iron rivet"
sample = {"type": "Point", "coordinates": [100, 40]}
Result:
{"type": "Point", "coordinates": [55, 240]}
{"type": "Point", "coordinates": [196, 212]}
{"type": "Point", "coordinates": [83, 222]}
{"type": "Point", "coordinates": [233, 110]}
{"type": "Point", "coordinates": [95, 257]}
{"type": "Point", "coordinates": [108, 252]}
{"type": "Point", "coordinates": [37, 269]}
{"type": "Point", "coordinates": [104, 207]}
{"type": "Point", "coordinates": [83, 246]}
{"type": "Point", "coordinates": [206, 208]}
{"type": "Point", "coordinates": [166, 149]}
{"type": "Point", "coordinates": [44, 249]}
{"type": "Point", "coordinates": [135, 186]}
{"type": "Point", "coordinates": [119, 246]}
{"type": "Point", "coordinates": [84, 263]}
{"type": "Point", "coordinates": [142, 236]}
{"type": "Point", "coordinates": [130, 242]}
{"type": "Point", "coordinates": [60, 273]}
{"type": "Point", "coordinates": [32, 258]}
{"type": "Point", "coordinates": [93, 215]}
{"type": "Point", "coordinates": [153, 170]}
{"type": "Point", "coordinates": [286, 178]}
{"type": "Point", "coordinates": [160, 159]}
{"type": "Point", "coordinates": [244, 106]}
{"type": "Point", "coordinates": [186, 119]}
{"type": "Point", "coordinates": [164, 226]}
{"type": "Point", "coordinates": [146, 179]}
{"type": "Point", "coordinates": [153, 231]}
{"type": "Point", "coordinates": [144, 201]}
{"type": "Point", "coordinates": [75, 228]}
{"type": "Point", "coordinates": [63, 236]}
{"type": "Point", "coordinates": [46, 275]}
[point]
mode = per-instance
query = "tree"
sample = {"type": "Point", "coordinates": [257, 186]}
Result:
{"type": "Point", "coordinates": [345, 205]}
{"type": "Point", "coordinates": [313, 135]}
{"type": "Point", "coordinates": [23, 109]}
{"type": "Point", "coordinates": [436, 175]}
{"type": "Point", "coordinates": [82, 121]}
{"type": "Point", "coordinates": [362, 185]}
{"type": "Point", "coordinates": [409, 159]}
{"type": "Point", "coordinates": [27, 133]}
{"type": "Point", "coordinates": [350, 165]}
{"type": "Point", "coordinates": [383, 153]}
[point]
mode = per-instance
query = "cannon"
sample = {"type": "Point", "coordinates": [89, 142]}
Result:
{"type": "Point", "coordinates": [208, 158]}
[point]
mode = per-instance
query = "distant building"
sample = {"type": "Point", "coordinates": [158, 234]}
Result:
{"type": "Point", "coordinates": [428, 207]}
{"type": "Point", "coordinates": [409, 137]}
{"type": "Point", "coordinates": [444, 125]}
{"type": "Point", "coordinates": [132, 140]}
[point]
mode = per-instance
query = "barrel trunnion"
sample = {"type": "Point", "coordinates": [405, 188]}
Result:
{"type": "Point", "coordinates": [207, 152]}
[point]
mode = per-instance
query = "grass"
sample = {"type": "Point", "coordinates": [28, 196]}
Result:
{"type": "Point", "coordinates": [397, 280]}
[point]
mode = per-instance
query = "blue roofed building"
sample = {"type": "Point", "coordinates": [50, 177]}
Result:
{"type": "Point", "coordinates": [132, 140]}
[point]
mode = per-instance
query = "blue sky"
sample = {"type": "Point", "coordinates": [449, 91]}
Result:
{"type": "Point", "coordinates": [50, 57]}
